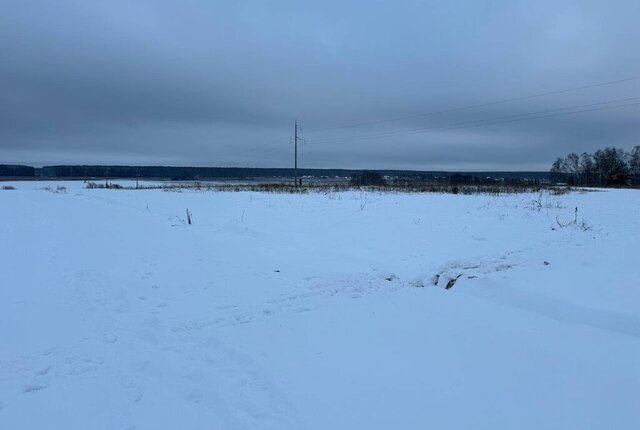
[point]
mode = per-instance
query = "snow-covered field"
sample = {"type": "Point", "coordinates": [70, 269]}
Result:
{"type": "Point", "coordinates": [318, 311]}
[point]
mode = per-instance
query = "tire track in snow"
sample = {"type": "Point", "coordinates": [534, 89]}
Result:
{"type": "Point", "coordinates": [483, 269]}
{"type": "Point", "coordinates": [559, 310]}
{"type": "Point", "coordinates": [304, 299]}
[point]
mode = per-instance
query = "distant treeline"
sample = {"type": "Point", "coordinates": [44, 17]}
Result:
{"type": "Point", "coordinates": [202, 173]}
{"type": "Point", "coordinates": [375, 179]}
{"type": "Point", "coordinates": [179, 173]}
{"type": "Point", "coordinates": [10, 170]}
{"type": "Point", "coordinates": [606, 167]}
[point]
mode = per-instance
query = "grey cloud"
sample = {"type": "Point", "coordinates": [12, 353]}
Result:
{"type": "Point", "coordinates": [219, 83]}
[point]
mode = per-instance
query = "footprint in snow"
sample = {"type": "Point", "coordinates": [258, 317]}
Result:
{"type": "Point", "coordinates": [110, 338]}
{"type": "Point", "coordinates": [34, 386]}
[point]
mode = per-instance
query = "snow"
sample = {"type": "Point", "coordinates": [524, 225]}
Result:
{"type": "Point", "coordinates": [317, 311]}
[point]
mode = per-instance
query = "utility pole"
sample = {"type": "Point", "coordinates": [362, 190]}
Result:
{"type": "Point", "coordinates": [295, 140]}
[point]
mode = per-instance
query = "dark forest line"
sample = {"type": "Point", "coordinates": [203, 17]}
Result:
{"type": "Point", "coordinates": [203, 173]}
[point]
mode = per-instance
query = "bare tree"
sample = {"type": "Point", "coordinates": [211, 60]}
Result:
{"type": "Point", "coordinates": [634, 164]}
{"type": "Point", "coordinates": [611, 166]}
{"type": "Point", "coordinates": [587, 169]}
{"type": "Point", "coordinates": [572, 167]}
{"type": "Point", "coordinates": [608, 166]}
{"type": "Point", "coordinates": [557, 170]}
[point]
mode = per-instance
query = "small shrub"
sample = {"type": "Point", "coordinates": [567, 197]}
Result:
{"type": "Point", "coordinates": [380, 184]}
{"type": "Point", "coordinates": [584, 226]}
{"type": "Point", "coordinates": [558, 191]}
{"type": "Point", "coordinates": [57, 190]}
{"type": "Point", "coordinates": [368, 178]}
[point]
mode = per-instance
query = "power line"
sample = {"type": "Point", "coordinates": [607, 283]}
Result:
{"type": "Point", "coordinates": [475, 106]}
{"type": "Point", "coordinates": [261, 153]}
{"type": "Point", "coordinates": [295, 143]}
{"type": "Point", "coordinates": [523, 116]}
{"type": "Point", "coordinates": [500, 120]}
{"type": "Point", "coordinates": [253, 154]}
{"type": "Point", "coordinates": [249, 153]}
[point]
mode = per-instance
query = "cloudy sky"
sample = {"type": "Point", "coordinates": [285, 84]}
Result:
{"type": "Point", "coordinates": [220, 82]}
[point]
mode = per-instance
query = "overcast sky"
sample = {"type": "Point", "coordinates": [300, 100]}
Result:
{"type": "Point", "coordinates": [220, 82]}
